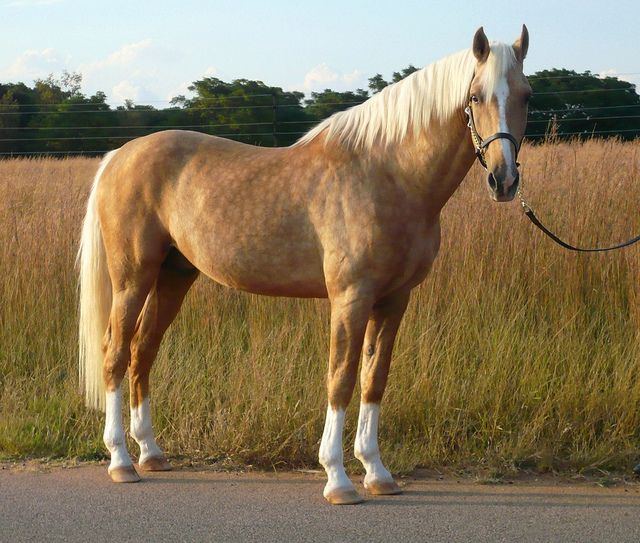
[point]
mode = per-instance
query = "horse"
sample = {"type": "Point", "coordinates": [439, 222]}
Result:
{"type": "Point", "coordinates": [349, 212]}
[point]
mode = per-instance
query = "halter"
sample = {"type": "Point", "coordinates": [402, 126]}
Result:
{"type": "Point", "coordinates": [481, 145]}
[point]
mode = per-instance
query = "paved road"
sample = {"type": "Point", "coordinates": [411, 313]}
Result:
{"type": "Point", "coordinates": [80, 504]}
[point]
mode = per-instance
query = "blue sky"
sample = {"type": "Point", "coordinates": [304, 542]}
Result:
{"type": "Point", "coordinates": [150, 51]}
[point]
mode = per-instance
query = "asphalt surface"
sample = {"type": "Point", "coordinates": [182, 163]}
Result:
{"type": "Point", "coordinates": [80, 504]}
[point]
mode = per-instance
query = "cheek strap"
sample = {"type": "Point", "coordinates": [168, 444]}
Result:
{"type": "Point", "coordinates": [480, 145]}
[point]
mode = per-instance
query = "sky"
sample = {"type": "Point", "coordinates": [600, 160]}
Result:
{"type": "Point", "coordinates": [151, 51]}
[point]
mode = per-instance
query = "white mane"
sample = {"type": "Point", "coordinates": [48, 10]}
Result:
{"type": "Point", "coordinates": [434, 92]}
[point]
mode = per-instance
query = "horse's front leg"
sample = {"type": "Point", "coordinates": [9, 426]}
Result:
{"type": "Point", "coordinates": [378, 345]}
{"type": "Point", "coordinates": [349, 313]}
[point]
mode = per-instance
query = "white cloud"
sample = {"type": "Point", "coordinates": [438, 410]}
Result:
{"type": "Point", "coordinates": [33, 64]}
{"type": "Point", "coordinates": [355, 77]}
{"type": "Point", "coordinates": [139, 58]}
{"type": "Point", "coordinates": [319, 77]}
{"type": "Point", "coordinates": [137, 71]}
{"type": "Point", "coordinates": [322, 76]}
{"type": "Point", "coordinates": [143, 71]}
{"type": "Point", "coordinates": [611, 72]}
{"type": "Point", "coordinates": [127, 56]}
{"type": "Point", "coordinates": [632, 78]}
{"type": "Point", "coordinates": [125, 90]}
{"type": "Point", "coordinates": [124, 56]}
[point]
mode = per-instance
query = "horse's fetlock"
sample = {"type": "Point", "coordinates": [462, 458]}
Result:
{"type": "Point", "coordinates": [366, 453]}
{"type": "Point", "coordinates": [112, 439]}
{"type": "Point", "coordinates": [325, 458]}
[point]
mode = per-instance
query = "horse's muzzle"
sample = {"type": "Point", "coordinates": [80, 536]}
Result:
{"type": "Point", "coordinates": [500, 191]}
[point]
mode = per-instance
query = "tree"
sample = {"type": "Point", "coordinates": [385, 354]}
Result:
{"type": "Point", "coordinates": [71, 83]}
{"type": "Point", "coordinates": [399, 76]}
{"type": "Point", "coordinates": [249, 110]}
{"type": "Point", "coordinates": [582, 104]}
{"type": "Point", "coordinates": [323, 104]}
{"type": "Point", "coordinates": [377, 82]}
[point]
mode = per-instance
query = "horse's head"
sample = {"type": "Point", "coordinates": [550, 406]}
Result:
{"type": "Point", "coordinates": [497, 110]}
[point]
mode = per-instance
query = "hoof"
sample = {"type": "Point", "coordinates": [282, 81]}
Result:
{"type": "Point", "coordinates": [125, 474]}
{"type": "Point", "coordinates": [343, 496]}
{"type": "Point", "coordinates": [156, 463]}
{"type": "Point", "coordinates": [636, 470]}
{"type": "Point", "coordinates": [388, 488]}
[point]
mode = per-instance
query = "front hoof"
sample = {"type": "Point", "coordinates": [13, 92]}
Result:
{"type": "Point", "coordinates": [125, 474]}
{"type": "Point", "coordinates": [155, 463]}
{"type": "Point", "coordinates": [343, 496]}
{"type": "Point", "coordinates": [386, 488]}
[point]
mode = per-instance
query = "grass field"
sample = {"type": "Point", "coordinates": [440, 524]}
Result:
{"type": "Point", "coordinates": [513, 352]}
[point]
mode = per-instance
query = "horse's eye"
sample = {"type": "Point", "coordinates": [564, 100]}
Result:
{"type": "Point", "coordinates": [474, 99]}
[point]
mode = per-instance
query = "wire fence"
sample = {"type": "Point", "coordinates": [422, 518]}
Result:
{"type": "Point", "coordinates": [271, 128]}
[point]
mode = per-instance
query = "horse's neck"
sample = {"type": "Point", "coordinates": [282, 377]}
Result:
{"type": "Point", "coordinates": [434, 164]}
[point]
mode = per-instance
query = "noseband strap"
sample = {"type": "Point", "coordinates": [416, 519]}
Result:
{"type": "Point", "coordinates": [481, 145]}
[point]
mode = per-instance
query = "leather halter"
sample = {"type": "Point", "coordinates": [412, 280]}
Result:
{"type": "Point", "coordinates": [480, 144]}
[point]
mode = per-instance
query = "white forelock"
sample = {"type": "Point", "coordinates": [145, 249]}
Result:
{"type": "Point", "coordinates": [434, 92]}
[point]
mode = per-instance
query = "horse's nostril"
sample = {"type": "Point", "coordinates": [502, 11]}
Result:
{"type": "Point", "coordinates": [493, 183]}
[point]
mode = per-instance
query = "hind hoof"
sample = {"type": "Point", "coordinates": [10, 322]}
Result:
{"type": "Point", "coordinates": [388, 488]}
{"type": "Point", "coordinates": [155, 463]}
{"type": "Point", "coordinates": [125, 474]}
{"type": "Point", "coordinates": [343, 496]}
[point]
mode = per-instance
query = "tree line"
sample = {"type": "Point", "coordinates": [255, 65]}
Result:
{"type": "Point", "coordinates": [55, 116]}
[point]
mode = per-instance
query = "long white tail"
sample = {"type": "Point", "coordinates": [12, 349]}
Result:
{"type": "Point", "coordinates": [95, 299]}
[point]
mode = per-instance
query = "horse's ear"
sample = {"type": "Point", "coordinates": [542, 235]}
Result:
{"type": "Point", "coordinates": [521, 45]}
{"type": "Point", "coordinates": [481, 46]}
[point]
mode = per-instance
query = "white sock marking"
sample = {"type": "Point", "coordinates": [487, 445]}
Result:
{"type": "Point", "coordinates": [114, 432]}
{"type": "Point", "coordinates": [366, 446]}
{"type": "Point", "coordinates": [331, 456]}
{"type": "Point", "coordinates": [142, 431]}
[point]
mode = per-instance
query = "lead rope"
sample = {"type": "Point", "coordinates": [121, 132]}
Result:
{"type": "Point", "coordinates": [528, 211]}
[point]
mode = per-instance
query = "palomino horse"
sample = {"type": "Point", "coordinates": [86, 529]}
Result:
{"type": "Point", "coordinates": [350, 213]}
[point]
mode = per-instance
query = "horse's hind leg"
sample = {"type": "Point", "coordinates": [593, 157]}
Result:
{"type": "Point", "coordinates": [160, 310]}
{"type": "Point", "coordinates": [378, 345]}
{"type": "Point", "coordinates": [128, 299]}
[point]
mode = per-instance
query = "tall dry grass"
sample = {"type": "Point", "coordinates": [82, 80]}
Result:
{"type": "Point", "coordinates": [513, 352]}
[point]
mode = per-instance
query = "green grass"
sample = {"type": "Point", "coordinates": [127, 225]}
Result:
{"type": "Point", "coordinates": [513, 353]}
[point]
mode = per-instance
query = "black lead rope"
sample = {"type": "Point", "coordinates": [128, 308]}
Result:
{"type": "Point", "coordinates": [481, 145]}
{"type": "Point", "coordinates": [532, 217]}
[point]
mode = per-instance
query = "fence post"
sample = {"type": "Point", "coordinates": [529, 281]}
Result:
{"type": "Point", "coordinates": [275, 119]}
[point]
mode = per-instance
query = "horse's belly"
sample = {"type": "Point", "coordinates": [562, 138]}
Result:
{"type": "Point", "coordinates": [270, 285]}
{"type": "Point", "coordinates": [277, 268]}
